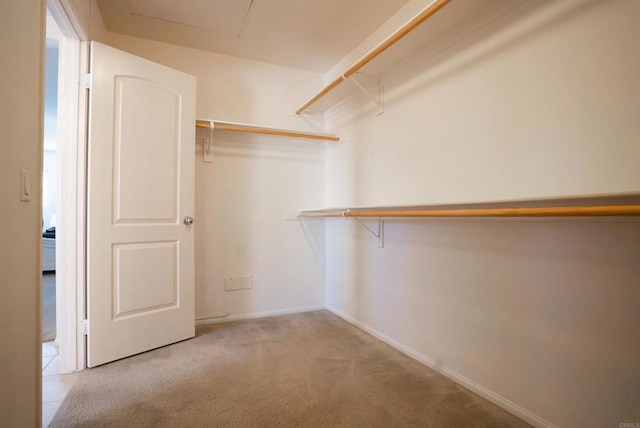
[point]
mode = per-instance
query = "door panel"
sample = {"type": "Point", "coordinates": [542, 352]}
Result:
{"type": "Point", "coordinates": [145, 157]}
{"type": "Point", "coordinates": [155, 262]}
{"type": "Point", "coordinates": [140, 292]}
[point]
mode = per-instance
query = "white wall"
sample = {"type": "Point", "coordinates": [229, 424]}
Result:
{"type": "Point", "coordinates": [542, 103]}
{"type": "Point", "coordinates": [50, 159]}
{"type": "Point", "coordinates": [242, 198]}
{"type": "Point", "coordinates": [22, 40]}
{"type": "Point", "coordinates": [50, 186]}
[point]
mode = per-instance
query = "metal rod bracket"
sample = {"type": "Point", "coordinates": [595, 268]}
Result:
{"type": "Point", "coordinates": [379, 235]}
{"type": "Point", "coordinates": [375, 95]}
{"type": "Point", "coordinates": [208, 144]}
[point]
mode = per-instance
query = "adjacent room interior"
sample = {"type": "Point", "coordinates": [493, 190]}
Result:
{"type": "Point", "coordinates": [50, 184]}
{"type": "Point", "coordinates": [447, 233]}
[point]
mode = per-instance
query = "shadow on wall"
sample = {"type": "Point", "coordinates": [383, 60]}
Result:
{"type": "Point", "coordinates": [244, 195]}
{"type": "Point", "coordinates": [449, 56]}
{"type": "Point", "coordinates": [229, 144]}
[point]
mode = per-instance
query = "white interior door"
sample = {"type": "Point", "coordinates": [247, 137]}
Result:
{"type": "Point", "coordinates": [140, 266]}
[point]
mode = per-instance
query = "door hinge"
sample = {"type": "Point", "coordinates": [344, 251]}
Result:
{"type": "Point", "coordinates": [86, 81]}
{"type": "Point", "coordinates": [84, 327]}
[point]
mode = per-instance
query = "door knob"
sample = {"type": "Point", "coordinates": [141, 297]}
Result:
{"type": "Point", "coordinates": [188, 220]}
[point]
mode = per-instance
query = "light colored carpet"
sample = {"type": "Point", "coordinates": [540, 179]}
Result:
{"type": "Point", "coordinates": [48, 306]}
{"type": "Point", "coordinates": [302, 370]}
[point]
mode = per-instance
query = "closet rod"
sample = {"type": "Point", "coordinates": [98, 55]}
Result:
{"type": "Point", "coordinates": [320, 214]}
{"type": "Point", "coordinates": [389, 41]}
{"type": "Point", "coordinates": [577, 211]}
{"type": "Point", "coordinates": [226, 126]}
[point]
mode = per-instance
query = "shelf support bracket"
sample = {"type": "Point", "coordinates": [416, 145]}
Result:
{"type": "Point", "coordinates": [379, 235]}
{"type": "Point", "coordinates": [375, 97]}
{"type": "Point", "coordinates": [208, 144]}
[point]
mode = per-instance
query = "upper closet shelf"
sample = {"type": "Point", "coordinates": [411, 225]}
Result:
{"type": "Point", "coordinates": [383, 46]}
{"type": "Point", "coordinates": [219, 125]}
{"type": "Point", "coordinates": [410, 44]}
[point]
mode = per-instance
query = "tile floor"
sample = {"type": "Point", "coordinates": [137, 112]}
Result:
{"type": "Point", "coordinates": [54, 385]}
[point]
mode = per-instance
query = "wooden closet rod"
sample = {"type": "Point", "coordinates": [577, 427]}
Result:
{"type": "Point", "coordinates": [320, 214]}
{"type": "Point", "coordinates": [389, 41]}
{"type": "Point", "coordinates": [224, 126]}
{"type": "Point", "coordinates": [577, 211]}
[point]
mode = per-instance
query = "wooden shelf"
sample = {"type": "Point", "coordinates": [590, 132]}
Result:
{"type": "Point", "coordinates": [433, 30]}
{"type": "Point", "coordinates": [256, 129]}
{"type": "Point", "coordinates": [461, 212]}
{"type": "Point", "coordinates": [599, 207]}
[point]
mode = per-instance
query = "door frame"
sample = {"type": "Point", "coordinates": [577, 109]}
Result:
{"type": "Point", "coordinates": [71, 244]}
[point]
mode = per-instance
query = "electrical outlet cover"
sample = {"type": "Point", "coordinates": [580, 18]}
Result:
{"type": "Point", "coordinates": [234, 283]}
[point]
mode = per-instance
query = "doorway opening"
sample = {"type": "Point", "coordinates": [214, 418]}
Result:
{"type": "Point", "coordinates": [63, 206]}
{"type": "Point", "coordinates": [50, 186]}
{"type": "Point", "coordinates": [64, 188]}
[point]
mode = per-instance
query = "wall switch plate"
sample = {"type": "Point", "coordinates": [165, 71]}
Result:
{"type": "Point", "coordinates": [25, 185]}
{"type": "Point", "coordinates": [233, 283]}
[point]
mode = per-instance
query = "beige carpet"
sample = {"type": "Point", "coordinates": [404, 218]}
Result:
{"type": "Point", "coordinates": [303, 370]}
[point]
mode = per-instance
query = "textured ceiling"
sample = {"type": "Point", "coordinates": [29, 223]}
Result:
{"type": "Point", "coordinates": [308, 34]}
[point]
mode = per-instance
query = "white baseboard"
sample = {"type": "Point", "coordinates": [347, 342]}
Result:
{"type": "Point", "coordinates": [456, 377]}
{"type": "Point", "coordinates": [252, 315]}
